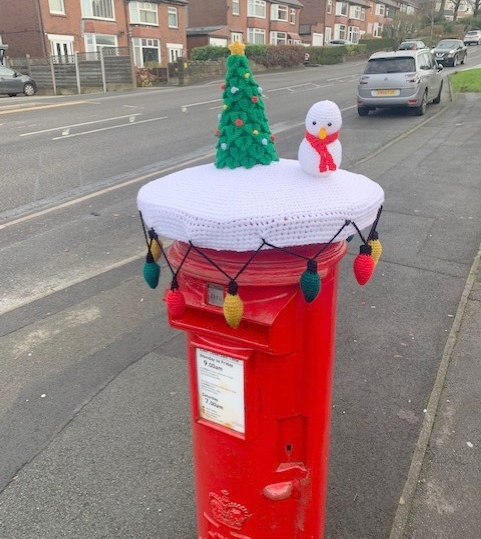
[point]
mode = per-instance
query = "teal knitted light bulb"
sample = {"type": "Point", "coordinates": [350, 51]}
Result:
{"type": "Point", "coordinates": [151, 271]}
{"type": "Point", "coordinates": [310, 282]}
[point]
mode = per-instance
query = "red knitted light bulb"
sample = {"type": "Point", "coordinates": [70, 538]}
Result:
{"type": "Point", "coordinates": [364, 265]}
{"type": "Point", "coordinates": [175, 303]}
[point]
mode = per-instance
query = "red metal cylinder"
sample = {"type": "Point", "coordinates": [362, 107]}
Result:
{"type": "Point", "coordinates": [261, 393]}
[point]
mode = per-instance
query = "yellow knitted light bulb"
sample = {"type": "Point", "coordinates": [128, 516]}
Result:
{"type": "Point", "coordinates": [376, 249]}
{"type": "Point", "coordinates": [155, 249]}
{"type": "Point", "coordinates": [233, 307]}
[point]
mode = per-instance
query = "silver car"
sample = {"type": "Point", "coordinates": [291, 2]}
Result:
{"type": "Point", "coordinates": [472, 37]}
{"type": "Point", "coordinates": [13, 83]}
{"type": "Point", "coordinates": [400, 79]}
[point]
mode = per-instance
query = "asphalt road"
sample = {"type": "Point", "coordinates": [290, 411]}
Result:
{"type": "Point", "coordinates": [75, 314]}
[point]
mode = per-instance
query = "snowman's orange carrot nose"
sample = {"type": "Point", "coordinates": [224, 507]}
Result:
{"type": "Point", "coordinates": [322, 133]}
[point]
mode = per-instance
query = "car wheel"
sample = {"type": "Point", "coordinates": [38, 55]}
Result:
{"type": "Point", "coordinates": [362, 111]}
{"type": "Point", "coordinates": [438, 97]}
{"type": "Point", "coordinates": [28, 89]}
{"type": "Point", "coordinates": [421, 110]}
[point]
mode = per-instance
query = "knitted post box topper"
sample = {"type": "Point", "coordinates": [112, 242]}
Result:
{"type": "Point", "coordinates": [249, 199]}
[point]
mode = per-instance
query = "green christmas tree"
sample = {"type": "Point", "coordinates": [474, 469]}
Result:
{"type": "Point", "coordinates": [245, 139]}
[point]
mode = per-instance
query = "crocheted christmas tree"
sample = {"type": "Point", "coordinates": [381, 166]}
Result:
{"type": "Point", "coordinates": [245, 139]}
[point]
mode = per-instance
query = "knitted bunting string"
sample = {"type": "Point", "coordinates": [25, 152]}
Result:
{"type": "Point", "coordinates": [233, 308]}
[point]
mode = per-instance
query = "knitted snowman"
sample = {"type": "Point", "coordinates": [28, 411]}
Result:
{"type": "Point", "coordinates": [320, 152]}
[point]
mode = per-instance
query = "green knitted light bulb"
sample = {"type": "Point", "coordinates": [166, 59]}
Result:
{"type": "Point", "coordinates": [310, 282]}
{"type": "Point", "coordinates": [151, 271]}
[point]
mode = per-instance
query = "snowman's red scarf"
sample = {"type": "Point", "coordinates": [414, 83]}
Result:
{"type": "Point", "coordinates": [326, 162]}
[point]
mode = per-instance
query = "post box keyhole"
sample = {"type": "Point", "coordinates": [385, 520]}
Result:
{"type": "Point", "coordinates": [292, 439]}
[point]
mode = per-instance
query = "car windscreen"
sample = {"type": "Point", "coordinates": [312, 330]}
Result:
{"type": "Point", "coordinates": [390, 65]}
{"type": "Point", "coordinates": [446, 44]}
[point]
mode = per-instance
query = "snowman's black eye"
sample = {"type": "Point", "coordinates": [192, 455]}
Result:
{"type": "Point", "coordinates": [329, 124]}
{"type": "Point", "coordinates": [314, 122]}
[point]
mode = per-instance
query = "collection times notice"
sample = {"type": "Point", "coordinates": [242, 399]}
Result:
{"type": "Point", "coordinates": [220, 385]}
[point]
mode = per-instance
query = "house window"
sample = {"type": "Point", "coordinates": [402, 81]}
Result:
{"type": "Point", "coordinates": [329, 7]}
{"type": "Point", "coordinates": [175, 51]}
{"type": "Point", "coordinates": [327, 34]}
{"type": "Point", "coordinates": [98, 9]}
{"type": "Point", "coordinates": [173, 17]}
{"type": "Point", "coordinates": [56, 6]}
{"type": "Point", "coordinates": [355, 12]}
{"type": "Point", "coordinates": [235, 7]}
{"type": "Point", "coordinates": [377, 30]}
{"type": "Point", "coordinates": [256, 36]}
{"type": "Point", "coordinates": [100, 43]}
{"type": "Point", "coordinates": [292, 16]}
{"type": "Point", "coordinates": [341, 9]}
{"type": "Point", "coordinates": [236, 36]}
{"type": "Point", "coordinates": [278, 12]}
{"type": "Point", "coordinates": [256, 8]}
{"type": "Point", "coordinates": [363, 14]}
{"type": "Point", "coordinates": [380, 9]}
{"type": "Point", "coordinates": [143, 13]}
{"type": "Point", "coordinates": [278, 38]}
{"type": "Point", "coordinates": [61, 48]}
{"type": "Point", "coordinates": [353, 34]}
{"type": "Point", "coordinates": [145, 51]}
{"type": "Point", "coordinates": [340, 31]}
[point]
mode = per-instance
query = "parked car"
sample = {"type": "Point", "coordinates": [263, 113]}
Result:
{"type": "Point", "coordinates": [341, 42]}
{"type": "Point", "coordinates": [450, 52]}
{"type": "Point", "coordinates": [472, 37]}
{"type": "Point", "coordinates": [13, 83]}
{"type": "Point", "coordinates": [411, 45]}
{"type": "Point", "coordinates": [400, 79]}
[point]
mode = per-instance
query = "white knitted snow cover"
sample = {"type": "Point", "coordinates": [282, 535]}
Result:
{"type": "Point", "coordinates": [237, 209]}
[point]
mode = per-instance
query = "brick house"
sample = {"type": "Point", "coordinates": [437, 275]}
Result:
{"type": "Point", "coordinates": [326, 20]}
{"type": "Point", "coordinates": [218, 22]}
{"type": "Point", "coordinates": [380, 16]}
{"type": "Point", "coordinates": [153, 31]}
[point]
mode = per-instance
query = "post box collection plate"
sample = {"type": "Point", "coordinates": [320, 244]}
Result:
{"type": "Point", "coordinates": [220, 389]}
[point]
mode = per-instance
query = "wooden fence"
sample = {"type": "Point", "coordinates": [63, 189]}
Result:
{"type": "Point", "coordinates": [110, 69]}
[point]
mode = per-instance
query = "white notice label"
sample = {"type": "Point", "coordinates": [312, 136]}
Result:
{"type": "Point", "coordinates": [220, 384]}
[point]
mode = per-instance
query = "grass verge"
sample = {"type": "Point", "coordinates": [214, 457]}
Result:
{"type": "Point", "coordinates": [466, 81]}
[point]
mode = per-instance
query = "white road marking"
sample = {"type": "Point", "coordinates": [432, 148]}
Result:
{"type": "Point", "coordinates": [78, 125]}
{"type": "Point", "coordinates": [82, 133]}
{"type": "Point", "coordinates": [70, 282]}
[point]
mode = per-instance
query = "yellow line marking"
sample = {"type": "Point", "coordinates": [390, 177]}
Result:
{"type": "Point", "coordinates": [37, 107]}
{"type": "Point", "coordinates": [74, 201]}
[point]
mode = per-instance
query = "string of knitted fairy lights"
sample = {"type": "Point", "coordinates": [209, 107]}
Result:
{"type": "Point", "coordinates": [310, 281]}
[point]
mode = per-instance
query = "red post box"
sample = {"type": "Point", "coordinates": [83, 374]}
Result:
{"type": "Point", "coordinates": [260, 333]}
{"type": "Point", "coordinates": [261, 393]}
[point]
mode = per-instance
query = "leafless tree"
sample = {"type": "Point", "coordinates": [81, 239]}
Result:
{"type": "Point", "coordinates": [456, 4]}
{"type": "Point", "coordinates": [402, 27]}
{"type": "Point", "coordinates": [476, 5]}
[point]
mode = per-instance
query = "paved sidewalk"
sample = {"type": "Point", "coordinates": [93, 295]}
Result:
{"type": "Point", "coordinates": [441, 499]}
